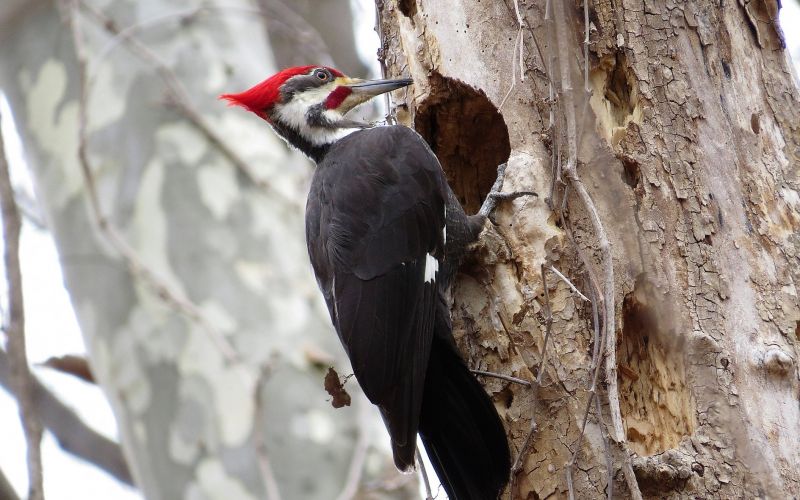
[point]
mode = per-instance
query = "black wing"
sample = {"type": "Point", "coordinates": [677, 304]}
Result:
{"type": "Point", "coordinates": [375, 228]}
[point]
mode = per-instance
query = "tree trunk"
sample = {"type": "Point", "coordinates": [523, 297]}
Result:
{"type": "Point", "coordinates": [188, 272]}
{"type": "Point", "coordinates": [689, 150]}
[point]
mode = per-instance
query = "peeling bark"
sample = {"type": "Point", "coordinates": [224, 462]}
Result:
{"type": "Point", "coordinates": [690, 148]}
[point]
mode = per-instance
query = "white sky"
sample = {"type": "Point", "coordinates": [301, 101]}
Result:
{"type": "Point", "coordinates": [53, 331]}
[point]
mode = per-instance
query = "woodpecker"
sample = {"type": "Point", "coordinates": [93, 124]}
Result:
{"type": "Point", "coordinates": [385, 235]}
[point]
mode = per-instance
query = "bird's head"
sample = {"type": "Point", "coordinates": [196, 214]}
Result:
{"type": "Point", "coordinates": [307, 104]}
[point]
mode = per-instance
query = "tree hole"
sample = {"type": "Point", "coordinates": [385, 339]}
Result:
{"type": "Point", "coordinates": [656, 404]}
{"type": "Point", "coordinates": [755, 123]}
{"type": "Point", "coordinates": [506, 397]}
{"type": "Point", "coordinates": [467, 134]}
{"type": "Point", "coordinates": [615, 97]}
{"type": "Point", "coordinates": [631, 173]}
{"type": "Point", "coordinates": [726, 69]}
{"type": "Point", "coordinates": [407, 7]}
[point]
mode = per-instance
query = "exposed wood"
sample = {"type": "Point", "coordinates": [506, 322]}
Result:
{"type": "Point", "coordinates": [683, 228]}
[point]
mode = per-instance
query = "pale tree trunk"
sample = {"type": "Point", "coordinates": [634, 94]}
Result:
{"type": "Point", "coordinates": [188, 270]}
{"type": "Point", "coordinates": [689, 152]}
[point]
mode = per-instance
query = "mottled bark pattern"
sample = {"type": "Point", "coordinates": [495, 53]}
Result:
{"type": "Point", "coordinates": [691, 152]}
{"type": "Point", "coordinates": [187, 412]}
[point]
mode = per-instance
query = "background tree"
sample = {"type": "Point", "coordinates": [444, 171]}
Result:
{"type": "Point", "coordinates": [668, 169]}
{"type": "Point", "coordinates": [179, 227]}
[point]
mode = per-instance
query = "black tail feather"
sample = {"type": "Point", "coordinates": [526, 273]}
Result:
{"type": "Point", "coordinates": [461, 430]}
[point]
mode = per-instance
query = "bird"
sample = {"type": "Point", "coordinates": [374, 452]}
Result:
{"type": "Point", "coordinates": [385, 236]}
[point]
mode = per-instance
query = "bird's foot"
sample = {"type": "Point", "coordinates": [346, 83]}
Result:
{"type": "Point", "coordinates": [496, 195]}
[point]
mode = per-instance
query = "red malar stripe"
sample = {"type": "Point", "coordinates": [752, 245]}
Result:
{"type": "Point", "coordinates": [336, 97]}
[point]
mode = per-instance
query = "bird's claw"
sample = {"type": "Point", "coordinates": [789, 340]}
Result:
{"type": "Point", "coordinates": [496, 195]}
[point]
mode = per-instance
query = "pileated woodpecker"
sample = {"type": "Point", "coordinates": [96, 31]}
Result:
{"type": "Point", "coordinates": [385, 234]}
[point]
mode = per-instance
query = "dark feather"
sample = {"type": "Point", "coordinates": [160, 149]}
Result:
{"type": "Point", "coordinates": [371, 221]}
{"type": "Point", "coordinates": [376, 210]}
{"type": "Point", "coordinates": [461, 431]}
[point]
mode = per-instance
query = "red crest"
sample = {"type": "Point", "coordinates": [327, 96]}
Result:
{"type": "Point", "coordinates": [260, 98]}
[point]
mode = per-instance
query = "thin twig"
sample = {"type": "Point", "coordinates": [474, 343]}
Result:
{"type": "Point", "coordinates": [72, 433]}
{"type": "Point", "coordinates": [548, 324]}
{"type": "Point", "coordinates": [604, 244]}
{"type": "Point", "coordinates": [259, 442]}
{"type": "Point", "coordinates": [135, 263]}
{"type": "Point", "coordinates": [274, 12]}
{"type": "Point", "coordinates": [569, 283]}
{"type": "Point", "coordinates": [518, 42]}
{"type": "Point", "coordinates": [29, 209]}
{"type": "Point", "coordinates": [555, 172]}
{"type": "Point", "coordinates": [306, 37]}
{"type": "Point", "coordinates": [607, 448]}
{"type": "Point", "coordinates": [7, 491]}
{"type": "Point", "coordinates": [382, 59]}
{"type": "Point", "coordinates": [595, 331]}
{"type": "Point", "coordinates": [21, 377]}
{"type": "Point", "coordinates": [424, 474]}
{"type": "Point", "coordinates": [502, 377]}
{"type": "Point", "coordinates": [592, 396]}
{"type": "Point", "coordinates": [570, 487]}
{"type": "Point", "coordinates": [137, 266]}
{"type": "Point", "coordinates": [356, 469]}
{"type": "Point", "coordinates": [586, 87]}
{"type": "Point", "coordinates": [178, 97]}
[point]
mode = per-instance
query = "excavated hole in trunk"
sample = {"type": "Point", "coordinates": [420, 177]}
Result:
{"type": "Point", "coordinates": [615, 97]}
{"type": "Point", "coordinates": [408, 7]}
{"type": "Point", "coordinates": [467, 134]}
{"type": "Point", "coordinates": [656, 403]}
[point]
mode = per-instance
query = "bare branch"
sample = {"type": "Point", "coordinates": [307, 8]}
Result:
{"type": "Point", "coordinates": [264, 465]}
{"type": "Point", "coordinates": [502, 377]}
{"type": "Point", "coordinates": [356, 468]}
{"type": "Point", "coordinates": [283, 20]}
{"type": "Point", "coordinates": [21, 378]}
{"type": "Point", "coordinates": [569, 283]}
{"type": "Point", "coordinates": [72, 434]}
{"type": "Point", "coordinates": [424, 474]}
{"type": "Point", "coordinates": [6, 490]}
{"type": "Point", "coordinates": [595, 370]}
{"type": "Point", "coordinates": [607, 448]}
{"type": "Point", "coordinates": [382, 59]}
{"type": "Point", "coordinates": [72, 364]}
{"type": "Point", "coordinates": [570, 171]}
{"type": "Point", "coordinates": [29, 209]}
{"type": "Point", "coordinates": [548, 325]}
{"type": "Point", "coordinates": [570, 486]}
{"type": "Point", "coordinates": [136, 265]}
{"type": "Point", "coordinates": [548, 322]}
{"type": "Point", "coordinates": [179, 98]}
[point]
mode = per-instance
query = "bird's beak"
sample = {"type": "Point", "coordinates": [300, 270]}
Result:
{"type": "Point", "coordinates": [371, 88]}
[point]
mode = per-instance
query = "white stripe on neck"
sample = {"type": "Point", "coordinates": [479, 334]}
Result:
{"type": "Point", "coordinates": [293, 114]}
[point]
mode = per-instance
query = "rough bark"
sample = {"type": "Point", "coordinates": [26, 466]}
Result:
{"type": "Point", "coordinates": [217, 234]}
{"type": "Point", "coordinates": [690, 149]}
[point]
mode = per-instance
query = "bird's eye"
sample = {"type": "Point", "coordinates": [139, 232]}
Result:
{"type": "Point", "coordinates": [321, 75]}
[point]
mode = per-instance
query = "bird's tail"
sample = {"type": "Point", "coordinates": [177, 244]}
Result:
{"type": "Point", "coordinates": [461, 430]}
